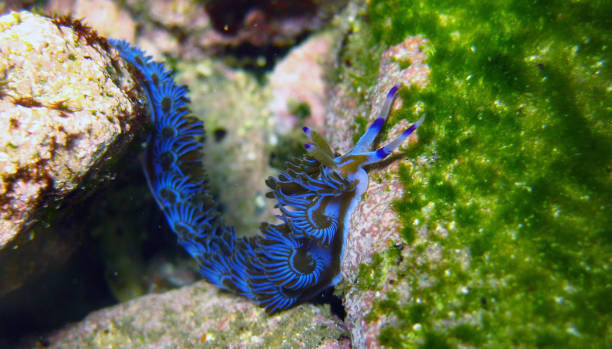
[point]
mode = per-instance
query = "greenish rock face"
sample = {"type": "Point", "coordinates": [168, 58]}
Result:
{"type": "Point", "coordinates": [516, 189]}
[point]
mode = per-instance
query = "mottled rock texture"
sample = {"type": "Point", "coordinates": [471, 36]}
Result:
{"type": "Point", "coordinates": [375, 226]}
{"type": "Point", "coordinates": [68, 108]}
{"type": "Point", "coordinates": [200, 316]}
{"type": "Point", "coordinates": [299, 84]}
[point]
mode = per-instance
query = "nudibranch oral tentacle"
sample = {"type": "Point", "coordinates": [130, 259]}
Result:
{"type": "Point", "coordinates": [367, 139]}
{"type": "Point", "coordinates": [289, 262]}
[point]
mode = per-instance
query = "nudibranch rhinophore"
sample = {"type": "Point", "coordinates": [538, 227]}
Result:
{"type": "Point", "coordinates": [289, 262]}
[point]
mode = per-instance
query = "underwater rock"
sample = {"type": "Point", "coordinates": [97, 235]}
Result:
{"type": "Point", "coordinates": [201, 316]}
{"type": "Point", "coordinates": [195, 29]}
{"type": "Point", "coordinates": [375, 225]}
{"type": "Point", "coordinates": [107, 17]}
{"type": "Point", "coordinates": [299, 84]}
{"type": "Point", "coordinates": [68, 108]}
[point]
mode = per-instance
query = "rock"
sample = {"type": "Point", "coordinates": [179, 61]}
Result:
{"type": "Point", "coordinates": [196, 29]}
{"type": "Point", "coordinates": [201, 316]}
{"type": "Point", "coordinates": [299, 84]}
{"type": "Point", "coordinates": [107, 17]}
{"type": "Point", "coordinates": [375, 226]}
{"type": "Point", "coordinates": [68, 109]}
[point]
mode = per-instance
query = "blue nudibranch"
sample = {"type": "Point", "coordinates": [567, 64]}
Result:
{"type": "Point", "coordinates": [289, 262]}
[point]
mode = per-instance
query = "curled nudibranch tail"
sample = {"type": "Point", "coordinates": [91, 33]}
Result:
{"type": "Point", "coordinates": [292, 260]}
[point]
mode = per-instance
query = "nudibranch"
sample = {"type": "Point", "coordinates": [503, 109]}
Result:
{"type": "Point", "coordinates": [289, 262]}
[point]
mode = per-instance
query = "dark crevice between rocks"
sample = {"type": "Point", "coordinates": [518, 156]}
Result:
{"type": "Point", "coordinates": [229, 16]}
{"type": "Point", "coordinates": [335, 302]}
{"type": "Point", "coordinates": [259, 60]}
{"type": "Point", "coordinates": [255, 22]}
{"type": "Point", "coordinates": [64, 295]}
{"type": "Point", "coordinates": [83, 284]}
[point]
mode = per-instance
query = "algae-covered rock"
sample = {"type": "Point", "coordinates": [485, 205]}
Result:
{"type": "Point", "coordinates": [68, 108]}
{"type": "Point", "coordinates": [505, 215]}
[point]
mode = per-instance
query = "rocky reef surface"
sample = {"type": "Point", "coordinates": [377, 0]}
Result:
{"type": "Point", "coordinates": [200, 316]}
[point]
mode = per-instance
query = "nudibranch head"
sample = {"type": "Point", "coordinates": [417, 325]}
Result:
{"type": "Point", "coordinates": [349, 164]}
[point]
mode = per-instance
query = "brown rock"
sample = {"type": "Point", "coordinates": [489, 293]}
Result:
{"type": "Point", "coordinates": [201, 316]}
{"type": "Point", "coordinates": [67, 110]}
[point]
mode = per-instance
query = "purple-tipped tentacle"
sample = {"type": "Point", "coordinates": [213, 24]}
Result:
{"type": "Point", "coordinates": [384, 151]}
{"type": "Point", "coordinates": [365, 142]}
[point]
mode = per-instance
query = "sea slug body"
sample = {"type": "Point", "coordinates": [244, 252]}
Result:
{"type": "Point", "coordinates": [289, 262]}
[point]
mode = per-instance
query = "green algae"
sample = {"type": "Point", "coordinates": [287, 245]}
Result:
{"type": "Point", "coordinates": [518, 142]}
